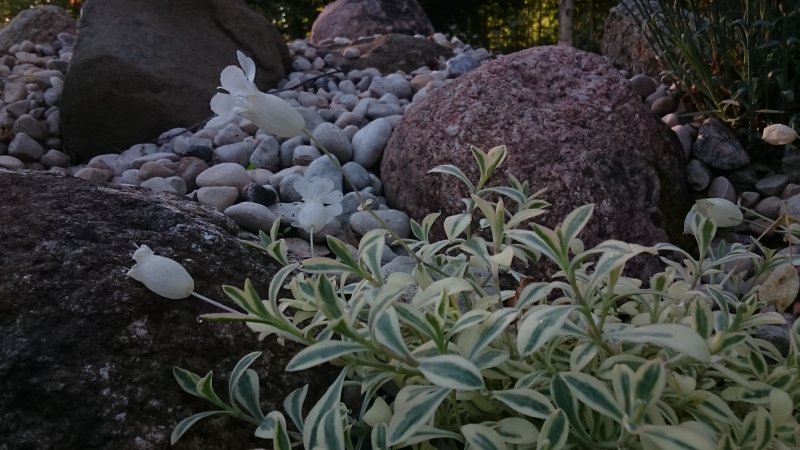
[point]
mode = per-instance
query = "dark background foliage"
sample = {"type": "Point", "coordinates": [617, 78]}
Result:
{"type": "Point", "coordinates": [498, 25]}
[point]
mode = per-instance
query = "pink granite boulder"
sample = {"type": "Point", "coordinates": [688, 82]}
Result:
{"type": "Point", "coordinates": [353, 19]}
{"type": "Point", "coordinates": [571, 123]}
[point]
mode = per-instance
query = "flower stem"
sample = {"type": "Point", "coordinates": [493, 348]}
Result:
{"type": "Point", "coordinates": [216, 303]}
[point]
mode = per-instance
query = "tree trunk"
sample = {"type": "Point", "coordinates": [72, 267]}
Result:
{"type": "Point", "coordinates": [565, 25]}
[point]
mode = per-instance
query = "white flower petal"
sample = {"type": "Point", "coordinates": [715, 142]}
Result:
{"type": "Point", "coordinates": [161, 275]}
{"type": "Point", "coordinates": [235, 82]}
{"type": "Point", "coordinates": [723, 212]}
{"type": "Point", "coordinates": [333, 198]}
{"type": "Point", "coordinates": [248, 66]}
{"type": "Point", "coordinates": [779, 134]}
{"type": "Point", "coordinates": [272, 114]}
{"type": "Point", "coordinates": [312, 216]}
{"type": "Point", "coordinates": [313, 189]}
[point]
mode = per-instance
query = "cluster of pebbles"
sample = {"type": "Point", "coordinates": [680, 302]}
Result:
{"type": "Point", "coordinates": [249, 174]}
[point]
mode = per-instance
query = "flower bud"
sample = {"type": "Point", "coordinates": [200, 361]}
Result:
{"type": "Point", "coordinates": [161, 275]}
{"type": "Point", "coordinates": [272, 114]}
{"type": "Point", "coordinates": [779, 134]}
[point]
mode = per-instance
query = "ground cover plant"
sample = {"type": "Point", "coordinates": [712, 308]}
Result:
{"type": "Point", "coordinates": [449, 355]}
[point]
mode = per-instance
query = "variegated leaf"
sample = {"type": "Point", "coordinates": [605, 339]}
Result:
{"type": "Point", "coordinates": [680, 338]}
{"type": "Point", "coordinates": [321, 352]}
{"type": "Point", "coordinates": [539, 326]}
{"type": "Point", "coordinates": [451, 371]}
{"type": "Point", "coordinates": [481, 437]}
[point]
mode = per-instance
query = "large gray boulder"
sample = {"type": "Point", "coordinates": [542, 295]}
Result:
{"type": "Point", "coordinates": [39, 25]}
{"type": "Point", "coordinates": [141, 67]}
{"type": "Point", "coordinates": [353, 19]}
{"type": "Point", "coordinates": [625, 43]}
{"type": "Point", "coordinates": [86, 353]}
{"type": "Point", "coordinates": [572, 124]}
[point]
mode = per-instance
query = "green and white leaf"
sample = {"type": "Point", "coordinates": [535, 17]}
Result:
{"type": "Point", "coordinates": [386, 330]}
{"type": "Point", "coordinates": [320, 353]}
{"type": "Point", "coordinates": [593, 393]}
{"type": "Point", "coordinates": [526, 401]}
{"type": "Point", "coordinates": [540, 325]}
{"type": "Point", "coordinates": [480, 437]}
{"type": "Point", "coordinates": [491, 329]}
{"type": "Point", "coordinates": [269, 424]}
{"type": "Point", "coordinates": [554, 432]}
{"type": "Point", "coordinates": [315, 420]}
{"type": "Point", "coordinates": [413, 407]}
{"type": "Point", "coordinates": [680, 338]}
{"type": "Point", "coordinates": [450, 169]}
{"type": "Point", "coordinates": [247, 393]}
{"type": "Point", "coordinates": [455, 225]}
{"type": "Point", "coordinates": [516, 430]}
{"type": "Point", "coordinates": [183, 426]}
{"type": "Point", "coordinates": [293, 405]}
{"type": "Point", "coordinates": [675, 437]}
{"type": "Point", "coordinates": [451, 371]}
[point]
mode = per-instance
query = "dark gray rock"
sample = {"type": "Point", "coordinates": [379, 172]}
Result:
{"type": "Point", "coordinates": [717, 146]}
{"type": "Point", "coordinates": [40, 24]}
{"type": "Point", "coordinates": [86, 353]}
{"type": "Point", "coordinates": [125, 86]}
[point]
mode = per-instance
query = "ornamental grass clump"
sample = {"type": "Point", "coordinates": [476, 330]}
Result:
{"type": "Point", "coordinates": [448, 357]}
{"type": "Point", "coordinates": [735, 59]}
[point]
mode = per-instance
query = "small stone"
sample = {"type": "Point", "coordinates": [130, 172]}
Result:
{"type": "Point", "coordinates": [684, 134]}
{"type": "Point", "coordinates": [14, 91]}
{"type": "Point", "coordinates": [348, 118]}
{"type": "Point", "coordinates": [178, 184]}
{"type": "Point", "coordinates": [25, 148]}
{"type": "Point", "coordinates": [94, 175]}
{"type": "Point", "coordinates": [461, 64]}
{"type": "Point", "coordinates": [369, 142]}
{"type": "Point", "coordinates": [397, 85]}
{"type": "Point", "coordinates": [301, 65]}
{"type": "Point", "coordinates": [769, 207]}
{"type": "Point", "coordinates": [377, 110]}
{"type": "Point", "coordinates": [10, 162]}
{"type": "Point", "coordinates": [699, 175]}
{"type": "Point", "coordinates": [188, 169]}
{"type": "Point", "coordinates": [749, 199]}
{"type": "Point", "coordinates": [790, 190]}
{"type": "Point", "coordinates": [772, 185]}
{"type": "Point", "coordinates": [351, 53]}
{"type": "Point", "coordinates": [18, 108]}
{"type": "Point", "coordinates": [260, 176]}
{"type": "Point", "coordinates": [672, 120]}
{"type": "Point", "coordinates": [287, 150]}
{"type": "Point", "coordinates": [717, 146]}
{"type": "Point", "coordinates": [130, 176]}
{"type": "Point", "coordinates": [251, 216]}
{"type": "Point", "coordinates": [54, 158]}
{"type": "Point", "coordinates": [264, 195]}
{"type": "Point", "coordinates": [225, 174]}
{"type": "Point", "coordinates": [325, 168]}
{"type": "Point", "coordinates": [362, 221]}
{"type": "Point", "coordinates": [237, 152]}
{"type": "Point", "coordinates": [664, 106]}
{"type": "Point", "coordinates": [139, 162]}
{"type": "Point", "coordinates": [158, 184]}
{"type": "Point", "coordinates": [334, 140]}
{"type": "Point", "coordinates": [309, 99]}
{"type": "Point", "coordinates": [721, 188]}
{"type": "Point", "coordinates": [30, 126]}
{"type": "Point", "coordinates": [266, 154]}
{"type": "Point", "coordinates": [305, 154]}
{"type": "Point", "coordinates": [219, 197]}
{"type": "Point", "coordinates": [643, 85]}
{"type": "Point", "coordinates": [357, 174]}
{"type": "Point", "coordinates": [229, 135]}
{"type": "Point", "coordinates": [286, 188]}
{"type": "Point", "coordinates": [152, 169]}
{"type": "Point", "coordinates": [183, 144]}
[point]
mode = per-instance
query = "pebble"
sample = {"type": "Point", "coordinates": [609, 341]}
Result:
{"type": "Point", "coordinates": [94, 175]}
{"type": "Point", "coordinates": [158, 184]}
{"type": "Point", "coordinates": [256, 193]}
{"type": "Point", "coordinates": [717, 146]}
{"type": "Point", "coordinates": [664, 106]}
{"type": "Point", "coordinates": [461, 64]}
{"type": "Point", "coordinates": [749, 199]}
{"type": "Point", "coordinates": [251, 216]}
{"type": "Point", "coordinates": [219, 197]}
{"type": "Point", "coordinates": [699, 175]}
{"type": "Point", "coordinates": [286, 188]}
{"type": "Point", "coordinates": [188, 169]}
{"type": "Point", "coordinates": [140, 161]}
{"type": "Point", "coordinates": [30, 126]}
{"type": "Point", "coordinates": [643, 85]}
{"type": "Point", "coordinates": [333, 139]}
{"type": "Point", "coordinates": [357, 174]}
{"type": "Point", "coordinates": [369, 142]}
{"type": "Point", "coordinates": [25, 148]}
{"type": "Point", "coordinates": [772, 185]}
{"type": "Point", "coordinates": [305, 154]}
{"type": "Point", "coordinates": [266, 154]}
{"type": "Point", "coordinates": [10, 162]}
{"type": "Point", "coordinates": [684, 134]}
{"type": "Point", "coordinates": [236, 152]}
{"type": "Point", "coordinates": [54, 158]}
{"type": "Point", "coordinates": [769, 207]}
{"type": "Point", "coordinates": [152, 169]}
{"type": "Point", "coordinates": [225, 174]}
{"type": "Point", "coordinates": [721, 188]}
{"type": "Point", "coordinates": [790, 190]}
{"type": "Point", "coordinates": [362, 221]}
{"type": "Point", "coordinates": [325, 168]}
{"type": "Point", "coordinates": [260, 176]}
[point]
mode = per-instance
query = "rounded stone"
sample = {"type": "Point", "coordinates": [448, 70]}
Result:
{"type": "Point", "coordinates": [260, 176]}
{"type": "Point", "coordinates": [266, 154]}
{"type": "Point", "coordinates": [334, 140]}
{"type": "Point", "coordinates": [370, 141]}
{"type": "Point", "coordinates": [219, 197]}
{"type": "Point", "coordinates": [790, 190]}
{"type": "Point", "coordinates": [286, 188]}
{"type": "Point", "coordinates": [772, 185]}
{"type": "Point", "coordinates": [229, 135]}
{"type": "Point", "coordinates": [54, 158]}
{"type": "Point", "coordinates": [357, 174]}
{"type": "Point", "coordinates": [139, 162]}
{"type": "Point", "coordinates": [749, 199]}
{"type": "Point", "coordinates": [643, 85]}
{"type": "Point", "coordinates": [325, 168]}
{"type": "Point", "coordinates": [237, 152]}
{"type": "Point", "coordinates": [225, 174]}
{"type": "Point", "coordinates": [286, 153]}
{"type": "Point", "coordinates": [769, 207]}
{"type": "Point", "coordinates": [461, 64]}
{"type": "Point", "coordinates": [158, 184]}
{"type": "Point", "coordinates": [717, 146]}
{"type": "Point", "coordinates": [699, 175]}
{"type": "Point", "coordinates": [251, 216]}
{"type": "Point", "coordinates": [684, 134]}
{"type": "Point", "coordinates": [152, 169]}
{"type": "Point", "coordinates": [664, 106]}
{"type": "Point", "coordinates": [25, 148]}
{"type": "Point", "coordinates": [10, 162]}
{"type": "Point", "coordinates": [721, 188]}
{"type": "Point", "coordinates": [256, 193]}
{"type": "Point", "coordinates": [94, 175]}
{"type": "Point", "coordinates": [29, 125]}
{"type": "Point", "coordinates": [362, 221]}
{"type": "Point", "coordinates": [305, 154]}
{"type": "Point", "coordinates": [397, 85]}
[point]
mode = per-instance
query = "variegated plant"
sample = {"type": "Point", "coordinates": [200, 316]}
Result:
{"type": "Point", "coordinates": [446, 358]}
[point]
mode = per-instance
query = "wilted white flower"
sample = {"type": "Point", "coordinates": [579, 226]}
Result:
{"type": "Point", "coordinates": [779, 134]}
{"type": "Point", "coordinates": [321, 204]}
{"type": "Point", "coordinates": [161, 275]}
{"type": "Point", "coordinates": [266, 111]}
{"type": "Point", "coordinates": [723, 212]}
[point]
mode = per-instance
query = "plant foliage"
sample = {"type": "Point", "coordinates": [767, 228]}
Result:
{"type": "Point", "coordinates": [446, 357]}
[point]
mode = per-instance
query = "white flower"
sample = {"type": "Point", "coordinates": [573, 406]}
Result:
{"type": "Point", "coordinates": [779, 134]}
{"type": "Point", "coordinates": [723, 212]}
{"type": "Point", "coordinates": [268, 112]}
{"type": "Point", "coordinates": [321, 204]}
{"type": "Point", "coordinates": [378, 413]}
{"type": "Point", "coordinates": [161, 275]}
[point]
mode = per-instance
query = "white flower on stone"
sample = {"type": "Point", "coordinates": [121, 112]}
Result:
{"type": "Point", "coordinates": [723, 212]}
{"type": "Point", "coordinates": [321, 204]}
{"type": "Point", "coordinates": [266, 111]}
{"type": "Point", "coordinates": [161, 275]}
{"type": "Point", "coordinates": [779, 134]}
